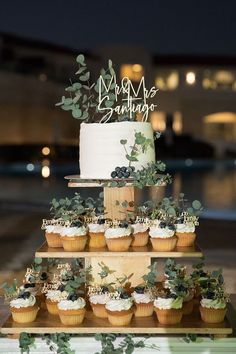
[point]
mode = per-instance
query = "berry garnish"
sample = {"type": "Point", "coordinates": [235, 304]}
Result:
{"type": "Point", "coordinates": [113, 174]}
{"type": "Point", "coordinates": [25, 295]}
{"type": "Point", "coordinates": [72, 297]}
{"type": "Point", "coordinates": [117, 169]}
{"type": "Point", "coordinates": [43, 276]}
{"type": "Point", "coordinates": [139, 289]}
{"type": "Point", "coordinates": [162, 225]}
{"type": "Point", "coordinates": [123, 169]}
{"type": "Point", "coordinates": [124, 295]}
{"type": "Point", "coordinates": [101, 221]}
{"type": "Point", "coordinates": [119, 174]}
{"type": "Point", "coordinates": [126, 174]}
{"type": "Point", "coordinates": [104, 289]}
{"type": "Point", "coordinates": [124, 224]}
{"type": "Point", "coordinates": [171, 227]}
{"type": "Point", "coordinates": [61, 287]}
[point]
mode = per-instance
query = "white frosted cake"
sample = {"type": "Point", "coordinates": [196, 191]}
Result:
{"type": "Point", "coordinates": [101, 150]}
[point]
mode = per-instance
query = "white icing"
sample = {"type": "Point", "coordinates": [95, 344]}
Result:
{"type": "Point", "coordinates": [18, 303]}
{"type": "Point", "coordinates": [99, 299]}
{"type": "Point", "coordinates": [117, 232]}
{"type": "Point", "coordinates": [139, 227]}
{"type": "Point", "coordinates": [74, 231]}
{"type": "Point", "coordinates": [55, 229]}
{"type": "Point", "coordinates": [56, 295]}
{"type": "Point", "coordinates": [119, 304]}
{"type": "Point", "coordinates": [158, 232]}
{"type": "Point", "coordinates": [97, 227]}
{"type": "Point", "coordinates": [71, 305]}
{"type": "Point", "coordinates": [142, 298]}
{"type": "Point", "coordinates": [101, 151]}
{"type": "Point", "coordinates": [167, 304]}
{"type": "Point", "coordinates": [185, 227]}
{"type": "Point", "coordinates": [213, 304]}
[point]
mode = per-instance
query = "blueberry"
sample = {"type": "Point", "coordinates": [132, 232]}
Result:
{"type": "Point", "coordinates": [171, 227]}
{"type": "Point", "coordinates": [129, 169]}
{"type": "Point", "coordinates": [126, 174]}
{"type": "Point", "coordinates": [210, 295]}
{"type": "Point", "coordinates": [61, 287]}
{"type": "Point", "coordinates": [123, 169]}
{"type": "Point", "coordinates": [25, 295]}
{"type": "Point", "coordinates": [104, 289]}
{"type": "Point", "coordinates": [113, 174]}
{"type": "Point", "coordinates": [132, 168]}
{"type": "Point", "coordinates": [181, 288]}
{"type": "Point", "coordinates": [180, 220]}
{"type": "Point", "coordinates": [101, 221]}
{"type": "Point", "coordinates": [139, 289]}
{"type": "Point", "coordinates": [28, 285]}
{"type": "Point", "coordinates": [173, 296]}
{"type": "Point", "coordinates": [124, 224]}
{"type": "Point", "coordinates": [117, 169]}
{"type": "Point", "coordinates": [72, 297]}
{"type": "Point", "coordinates": [124, 295]}
{"type": "Point", "coordinates": [43, 276]}
{"type": "Point", "coordinates": [119, 174]}
{"type": "Point", "coordinates": [162, 225]}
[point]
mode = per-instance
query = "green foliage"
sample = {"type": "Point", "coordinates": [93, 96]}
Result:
{"type": "Point", "coordinates": [181, 205]}
{"type": "Point", "coordinates": [26, 342]}
{"type": "Point", "coordinates": [150, 278]}
{"type": "Point", "coordinates": [192, 338]}
{"type": "Point", "coordinates": [105, 270]}
{"type": "Point", "coordinates": [150, 176]}
{"type": "Point", "coordinates": [59, 343]}
{"type": "Point", "coordinates": [10, 289]}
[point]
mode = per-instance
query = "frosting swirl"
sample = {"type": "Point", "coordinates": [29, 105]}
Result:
{"type": "Point", "coordinates": [71, 305]}
{"type": "Point", "coordinates": [170, 303]}
{"type": "Point", "coordinates": [99, 299]}
{"type": "Point", "coordinates": [142, 298]}
{"type": "Point", "coordinates": [56, 295]}
{"type": "Point", "coordinates": [119, 304]}
{"type": "Point", "coordinates": [185, 227]}
{"type": "Point", "coordinates": [213, 304]}
{"type": "Point", "coordinates": [55, 229]}
{"type": "Point", "coordinates": [74, 231]}
{"type": "Point", "coordinates": [139, 227]}
{"type": "Point", "coordinates": [118, 232]}
{"type": "Point", "coordinates": [158, 232]}
{"type": "Point", "coordinates": [20, 302]}
{"type": "Point", "coordinates": [96, 227]}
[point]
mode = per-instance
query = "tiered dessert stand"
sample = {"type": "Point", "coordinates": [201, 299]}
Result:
{"type": "Point", "coordinates": [136, 261]}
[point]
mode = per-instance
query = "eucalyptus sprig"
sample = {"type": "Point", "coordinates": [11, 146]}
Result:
{"type": "Point", "coordinates": [183, 205]}
{"type": "Point", "coordinates": [150, 175]}
{"type": "Point", "coordinates": [26, 342]}
{"type": "Point", "coordinates": [150, 278]}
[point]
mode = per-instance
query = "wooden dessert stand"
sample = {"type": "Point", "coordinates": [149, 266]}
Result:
{"type": "Point", "coordinates": [136, 261]}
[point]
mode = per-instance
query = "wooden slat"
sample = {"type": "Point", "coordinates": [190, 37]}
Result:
{"type": "Point", "coordinates": [180, 252]}
{"type": "Point", "coordinates": [46, 323]}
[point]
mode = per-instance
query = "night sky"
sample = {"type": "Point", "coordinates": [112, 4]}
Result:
{"type": "Point", "coordinates": [164, 27]}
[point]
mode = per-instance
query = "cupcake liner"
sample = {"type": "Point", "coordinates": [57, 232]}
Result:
{"type": "Point", "coordinates": [188, 307]}
{"type": "Point", "coordinates": [74, 244]}
{"type": "Point", "coordinates": [212, 315]}
{"type": "Point", "coordinates": [120, 318]}
{"type": "Point", "coordinates": [140, 239]}
{"type": "Point", "coordinates": [99, 310]}
{"type": "Point", "coordinates": [143, 310]}
{"type": "Point", "coordinates": [53, 239]}
{"type": "Point", "coordinates": [164, 244]}
{"type": "Point", "coordinates": [185, 239]}
{"type": "Point", "coordinates": [52, 307]}
{"type": "Point", "coordinates": [97, 240]}
{"type": "Point", "coordinates": [71, 317]}
{"type": "Point", "coordinates": [24, 314]}
{"type": "Point", "coordinates": [119, 244]}
{"type": "Point", "coordinates": [169, 316]}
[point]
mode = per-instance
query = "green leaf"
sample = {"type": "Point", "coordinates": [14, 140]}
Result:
{"type": "Point", "coordinates": [109, 63]}
{"type": "Point", "coordinates": [123, 141]}
{"type": "Point", "coordinates": [38, 260]}
{"type": "Point", "coordinates": [80, 59]}
{"type": "Point", "coordinates": [196, 204]}
{"type": "Point", "coordinates": [81, 70]}
{"type": "Point", "coordinates": [68, 101]}
{"type": "Point", "coordinates": [109, 103]}
{"type": "Point", "coordinates": [85, 77]}
{"type": "Point", "coordinates": [76, 113]}
{"type": "Point", "coordinates": [131, 158]}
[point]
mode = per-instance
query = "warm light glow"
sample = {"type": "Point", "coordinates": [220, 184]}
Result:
{"type": "Point", "coordinates": [190, 78]}
{"type": "Point", "coordinates": [221, 117]}
{"type": "Point", "coordinates": [224, 77]}
{"type": "Point", "coordinates": [43, 77]}
{"type": "Point", "coordinates": [177, 123]}
{"type": "Point", "coordinates": [45, 171]}
{"type": "Point", "coordinates": [167, 80]}
{"type": "Point", "coordinates": [158, 121]}
{"type": "Point", "coordinates": [30, 167]}
{"type": "Point", "coordinates": [45, 150]}
{"type": "Point", "coordinates": [133, 71]}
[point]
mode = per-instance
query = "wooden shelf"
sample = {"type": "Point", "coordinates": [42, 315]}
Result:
{"type": "Point", "coordinates": [46, 323]}
{"type": "Point", "coordinates": [75, 181]}
{"type": "Point", "coordinates": [180, 252]}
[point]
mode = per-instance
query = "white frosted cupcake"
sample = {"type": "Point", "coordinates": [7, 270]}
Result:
{"type": "Point", "coordinates": [213, 310]}
{"type": "Point", "coordinates": [74, 237]}
{"type": "Point", "coordinates": [120, 311]}
{"type": "Point", "coordinates": [143, 302]}
{"type": "Point", "coordinates": [163, 237]}
{"type": "Point", "coordinates": [168, 310]}
{"type": "Point", "coordinates": [72, 310]}
{"type": "Point", "coordinates": [185, 231]}
{"type": "Point", "coordinates": [52, 235]}
{"type": "Point", "coordinates": [98, 299]}
{"type": "Point", "coordinates": [140, 234]}
{"type": "Point", "coordinates": [96, 234]}
{"type": "Point", "coordinates": [53, 297]}
{"type": "Point", "coordinates": [24, 308]}
{"type": "Point", "coordinates": [118, 239]}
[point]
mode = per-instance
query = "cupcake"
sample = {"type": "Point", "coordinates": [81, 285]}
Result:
{"type": "Point", "coordinates": [143, 301]}
{"type": "Point", "coordinates": [120, 310]}
{"type": "Point", "coordinates": [96, 234]}
{"type": "Point", "coordinates": [140, 234]}
{"type": "Point", "coordinates": [72, 310]}
{"type": "Point", "coordinates": [168, 309]}
{"type": "Point", "coordinates": [53, 297]}
{"type": "Point", "coordinates": [24, 308]}
{"type": "Point", "coordinates": [213, 310]}
{"type": "Point", "coordinates": [185, 231]}
{"type": "Point", "coordinates": [98, 297]}
{"type": "Point", "coordinates": [188, 302]}
{"type": "Point", "coordinates": [74, 237]}
{"type": "Point", "coordinates": [163, 237]}
{"type": "Point", "coordinates": [52, 235]}
{"type": "Point", "coordinates": [118, 239]}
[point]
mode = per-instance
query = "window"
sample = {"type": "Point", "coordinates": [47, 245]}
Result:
{"type": "Point", "coordinates": [219, 79]}
{"type": "Point", "coordinates": [133, 71]}
{"type": "Point", "coordinates": [167, 80]}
